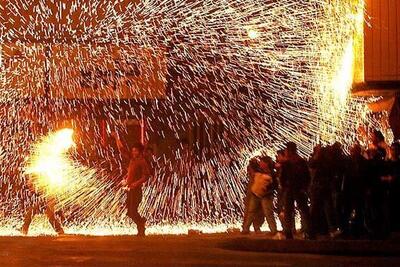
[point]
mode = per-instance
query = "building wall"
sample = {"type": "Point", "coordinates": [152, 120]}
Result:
{"type": "Point", "coordinates": [382, 40]}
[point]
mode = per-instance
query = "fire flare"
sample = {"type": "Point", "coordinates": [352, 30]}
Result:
{"type": "Point", "coordinates": [49, 166]}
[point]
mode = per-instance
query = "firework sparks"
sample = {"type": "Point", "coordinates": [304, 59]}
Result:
{"type": "Point", "coordinates": [250, 74]}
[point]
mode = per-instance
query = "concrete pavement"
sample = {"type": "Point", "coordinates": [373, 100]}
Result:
{"type": "Point", "coordinates": [195, 250]}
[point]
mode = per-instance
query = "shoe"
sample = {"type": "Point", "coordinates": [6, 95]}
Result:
{"type": "Point", "coordinates": [60, 232]}
{"type": "Point", "coordinates": [309, 236]}
{"type": "Point", "coordinates": [141, 234]}
{"type": "Point", "coordinates": [245, 232]}
{"type": "Point", "coordinates": [141, 230]}
{"type": "Point", "coordinates": [335, 233]}
{"type": "Point", "coordinates": [288, 236]}
{"type": "Point", "coordinates": [278, 236]}
{"type": "Point", "coordinates": [257, 231]}
{"type": "Point", "coordinates": [23, 231]}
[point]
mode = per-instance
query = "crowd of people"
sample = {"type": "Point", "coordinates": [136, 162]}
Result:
{"type": "Point", "coordinates": [351, 195]}
{"type": "Point", "coordinates": [340, 195]}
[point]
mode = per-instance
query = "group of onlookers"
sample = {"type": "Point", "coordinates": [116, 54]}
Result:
{"type": "Point", "coordinates": [350, 195]}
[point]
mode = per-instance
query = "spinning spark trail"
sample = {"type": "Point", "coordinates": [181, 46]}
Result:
{"type": "Point", "coordinates": [253, 74]}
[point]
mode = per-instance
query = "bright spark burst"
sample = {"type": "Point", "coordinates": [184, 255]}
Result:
{"type": "Point", "coordinates": [49, 167]}
{"type": "Point", "coordinates": [254, 74]}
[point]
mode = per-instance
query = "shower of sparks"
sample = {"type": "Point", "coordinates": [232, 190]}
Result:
{"type": "Point", "coordinates": [49, 167]}
{"type": "Point", "coordinates": [252, 74]}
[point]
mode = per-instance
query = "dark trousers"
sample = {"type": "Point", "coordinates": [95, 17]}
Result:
{"type": "Point", "coordinates": [132, 202]}
{"type": "Point", "coordinates": [376, 214]}
{"type": "Point", "coordinates": [322, 203]}
{"type": "Point", "coordinates": [50, 213]}
{"type": "Point", "coordinates": [289, 197]}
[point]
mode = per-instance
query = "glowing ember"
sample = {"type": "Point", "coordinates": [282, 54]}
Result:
{"type": "Point", "coordinates": [253, 34]}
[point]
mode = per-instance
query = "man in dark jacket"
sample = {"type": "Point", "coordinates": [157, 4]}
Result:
{"type": "Point", "coordinates": [321, 191]}
{"type": "Point", "coordinates": [295, 178]}
{"type": "Point", "coordinates": [353, 192]}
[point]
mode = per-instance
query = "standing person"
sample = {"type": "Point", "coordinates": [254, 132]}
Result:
{"type": "Point", "coordinates": [295, 178]}
{"type": "Point", "coordinates": [354, 192]}
{"type": "Point", "coordinates": [388, 185]}
{"type": "Point", "coordinates": [374, 193]}
{"type": "Point", "coordinates": [320, 192]}
{"type": "Point", "coordinates": [40, 204]}
{"type": "Point", "coordinates": [280, 159]}
{"type": "Point", "coordinates": [394, 167]}
{"type": "Point", "coordinates": [138, 174]}
{"type": "Point", "coordinates": [337, 162]}
{"type": "Point", "coordinates": [377, 142]}
{"type": "Point", "coordinates": [258, 219]}
{"type": "Point", "coordinates": [262, 193]}
{"type": "Point", "coordinates": [37, 201]}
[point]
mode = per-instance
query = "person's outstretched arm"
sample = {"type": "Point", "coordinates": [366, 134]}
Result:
{"type": "Point", "coordinates": [122, 149]}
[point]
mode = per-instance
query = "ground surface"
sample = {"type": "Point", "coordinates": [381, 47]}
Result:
{"type": "Point", "coordinates": [195, 250]}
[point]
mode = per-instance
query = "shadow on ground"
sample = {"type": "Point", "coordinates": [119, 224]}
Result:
{"type": "Point", "coordinates": [325, 247]}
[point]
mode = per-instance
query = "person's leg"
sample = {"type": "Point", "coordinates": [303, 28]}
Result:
{"type": "Point", "coordinates": [385, 223]}
{"type": "Point", "coordinates": [301, 200]}
{"type": "Point", "coordinates": [316, 210]}
{"type": "Point", "coordinates": [268, 208]}
{"type": "Point", "coordinates": [50, 213]}
{"type": "Point", "coordinates": [129, 204]}
{"type": "Point", "coordinates": [394, 206]}
{"type": "Point", "coordinates": [279, 207]}
{"type": "Point", "coordinates": [134, 199]}
{"type": "Point", "coordinates": [330, 213]}
{"type": "Point", "coordinates": [258, 220]}
{"type": "Point", "coordinates": [30, 212]}
{"type": "Point", "coordinates": [288, 214]}
{"type": "Point", "coordinates": [348, 208]}
{"type": "Point", "coordinates": [376, 214]}
{"type": "Point", "coordinates": [246, 208]}
{"type": "Point", "coordinates": [253, 207]}
{"type": "Point", "coordinates": [359, 206]}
